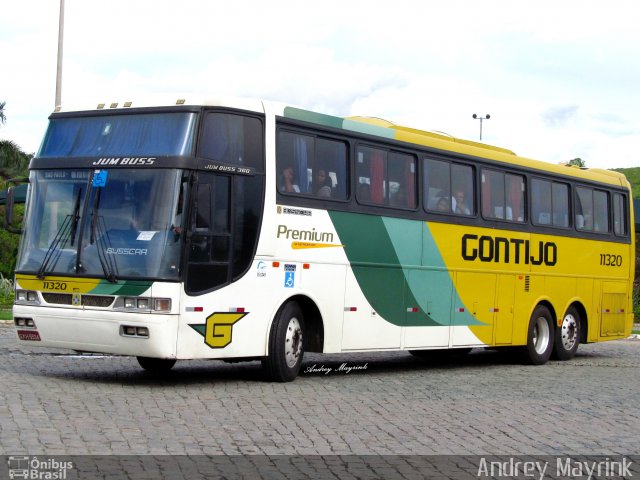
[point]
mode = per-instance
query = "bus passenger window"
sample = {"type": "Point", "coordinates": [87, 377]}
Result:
{"type": "Point", "coordinates": [294, 157]}
{"type": "Point", "coordinates": [449, 187]}
{"type": "Point", "coordinates": [600, 211]}
{"type": "Point", "coordinates": [402, 180]}
{"type": "Point", "coordinates": [619, 215]}
{"type": "Point", "coordinates": [330, 169]}
{"type": "Point", "coordinates": [311, 165]}
{"type": "Point", "coordinates": [592, 210]}
{"type": "Point", "coordinates": [371, 170]}
{"type": "Point", "coordinates": [503, 196]}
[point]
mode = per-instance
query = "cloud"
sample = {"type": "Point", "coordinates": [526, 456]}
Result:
{"type": "Point", "coordinates": [555, 77]}
{"type": "Point", "coordinates": [559, 116]}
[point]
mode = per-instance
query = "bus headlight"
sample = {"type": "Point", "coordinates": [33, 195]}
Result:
{"type": "Point", "coordinates": [26, 296]}
{"type": "Point", "coordinates": [147, 304]}
{"type": "Point", "coordinates": [143, 303]}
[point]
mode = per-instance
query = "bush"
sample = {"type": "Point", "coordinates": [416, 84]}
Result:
{"type": "Point", "coordinates": [6, 292]}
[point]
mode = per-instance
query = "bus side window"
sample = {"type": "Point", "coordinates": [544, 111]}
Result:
{"type": "Point", "coordinates": [231, 138]}
{"type": "Point", "coordinates": [503, 196]}
{"type": "Point", "coordinates": [584, 209]}
{"type": "Point", "coordinates": [437, 184]}
{"type": "Point", "coordinates": [449, 187]}
{"type": "Point", "coordinates": [600, 211]}
{"type": "Point", "coordinates": [620, 215]}
{"type": "Point", "coordinates": [330, 169]}
{"type": "Point", "coordinates": [402, 180]}
{"type": "Point", "coordinates": [203, 212]}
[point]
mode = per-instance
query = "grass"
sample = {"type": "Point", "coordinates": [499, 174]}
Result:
{"type": "Point", "coordinates": [6, 298]}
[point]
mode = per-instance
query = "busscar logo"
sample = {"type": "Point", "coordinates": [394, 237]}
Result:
{"type": "Point", "coordinates": [126, 251]}
{"type": "Point", "coordinates": [128, 161]}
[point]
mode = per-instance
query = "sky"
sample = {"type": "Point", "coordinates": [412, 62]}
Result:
{"type": "Point", "coordinates": [560, 79]}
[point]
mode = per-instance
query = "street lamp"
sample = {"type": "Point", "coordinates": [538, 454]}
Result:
{"type": "Point", "coordinates": [486, 117]}
{"type": "Point", "coordinates": [59, 61]}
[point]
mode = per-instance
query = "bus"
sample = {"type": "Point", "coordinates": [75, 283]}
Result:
{"type": "Point", "coordinates": [240, 229]}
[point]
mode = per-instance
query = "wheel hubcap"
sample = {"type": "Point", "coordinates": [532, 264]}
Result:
{"type": "Point", "coordinates": [293, 342]}
{"type": "Point", "coordinates": [541, 335]}
{"type": "Point", "coordinates": [569, 332]}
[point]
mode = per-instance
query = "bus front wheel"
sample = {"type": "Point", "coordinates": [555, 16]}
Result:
{"type": "Point", "coordinates": [567, 336]}
{"type": "Point", "coordinates": [539, 337]}
{"type": "Point", "coordinates": [156, 365]}
{"type": "Point", "coordinates": [286, 342]}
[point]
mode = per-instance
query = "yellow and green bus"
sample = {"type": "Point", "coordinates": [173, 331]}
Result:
{"type": "Point", "coordinates": [239, 229]}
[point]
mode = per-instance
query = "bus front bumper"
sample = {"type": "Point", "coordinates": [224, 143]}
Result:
{"type": "Point", "coordinates": [120, 333]}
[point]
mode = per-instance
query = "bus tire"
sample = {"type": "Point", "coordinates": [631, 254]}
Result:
{"type": "Point", "coordinates": [156, 365]}
{"type": "Point", "coordinates": [567, 335]}
{"type": "Point", "coordinates": [286, 344]}
{"type": "Point", "coordinates": [539, 337]}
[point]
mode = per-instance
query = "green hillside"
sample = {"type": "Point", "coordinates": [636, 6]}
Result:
{"type": "Point", "coordinates": [633, 175]}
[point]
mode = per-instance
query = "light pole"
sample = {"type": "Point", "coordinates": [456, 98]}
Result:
{"type": "Point", "coordinates": [486, 117]}
{"type": "Point", "coordinates": [59, 67]}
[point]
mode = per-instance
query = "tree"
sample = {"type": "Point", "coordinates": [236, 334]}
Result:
{"type": "Point", "coordinates": [578, 162]}
{"type": "Point", "coordinates": [13, 161]}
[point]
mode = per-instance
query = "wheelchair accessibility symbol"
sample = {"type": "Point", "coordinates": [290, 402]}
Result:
{"type": "Point", "coordinates": [289, 279]}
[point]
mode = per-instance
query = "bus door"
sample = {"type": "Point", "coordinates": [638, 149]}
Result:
{"type": "Point", "coordinates": [210, 234]}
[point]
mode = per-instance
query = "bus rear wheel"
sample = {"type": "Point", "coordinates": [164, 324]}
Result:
{"type": "Point", "coordinates": [539, 337]}
{"type": "Point", "coordinates": [567, 336]}
{"type": "Point", "coordinates": [286, 344]}
{"type": "Point", "coordinates": [156, 365]}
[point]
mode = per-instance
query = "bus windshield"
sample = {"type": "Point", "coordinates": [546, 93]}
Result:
{"type": "Point", "coordinates": [114, 135]}
{"type": "Point", "coordinates": [121, 223]}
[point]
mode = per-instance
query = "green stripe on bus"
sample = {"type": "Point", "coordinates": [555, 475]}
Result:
{"type": "Point", "coordinates": [395, 262]}
{"type": "Point", "coordinates": [122, 287]}
{"type": "Point", "coordinates": [313, 117]}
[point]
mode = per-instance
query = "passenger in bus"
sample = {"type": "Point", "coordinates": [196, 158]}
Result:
{"type": "Point", "coordinates": [364, 192]}
{"type": "Point", "coordinates": [443, 205]}
{"type": "Point", "coordinates": [287, 181]}
{"type": "Point", "coordinates": [458, 203]}
{"type": "Point", "coordinates": [321, 183]}
{"type": "Point", "coordinates": [399, 199]}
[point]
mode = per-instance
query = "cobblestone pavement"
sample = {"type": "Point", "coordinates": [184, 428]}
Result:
{"type": "Point", "coordinates": [56, 403]}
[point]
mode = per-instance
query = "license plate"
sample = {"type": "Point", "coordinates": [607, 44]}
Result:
{"type": "Point", "coordinates": [30, 335]}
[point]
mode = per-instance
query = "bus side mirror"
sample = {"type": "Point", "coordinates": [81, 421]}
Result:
{"type": "Point", "coordinates": [12, 192]}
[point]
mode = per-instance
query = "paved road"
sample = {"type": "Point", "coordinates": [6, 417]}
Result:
{"type": "Point", "coordinates": [485, 403]}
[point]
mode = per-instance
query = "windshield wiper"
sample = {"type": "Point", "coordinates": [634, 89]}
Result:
{"type": "Point", "coordinates": [102, 242]}
{"type": "Point", "coordinates": [57, 245]}
{"type": "Point", "coordinates": [76, 217]}
{"type": "Point", "coordinates": [66, 231]}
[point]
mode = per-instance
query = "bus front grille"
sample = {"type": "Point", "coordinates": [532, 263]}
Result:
{"type": "Point", "coordinates": [103, 301]}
